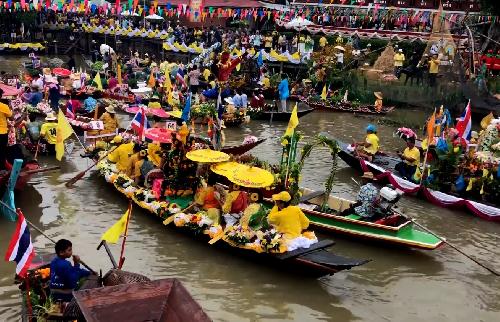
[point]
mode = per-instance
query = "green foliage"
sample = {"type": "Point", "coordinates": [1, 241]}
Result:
{"type": "Point", "coordinates": [258, 221]}
{"type": "Point", "coordinates": [203, 110]}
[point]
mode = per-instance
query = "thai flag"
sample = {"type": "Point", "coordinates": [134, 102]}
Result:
{"type": "Point", "coordinates": [464, 124]}
{"type": "Point", "coordinates": [140, 123]}
{"type": "Point", "coordinates": [70, 113]}
{"type": "Point", "coordinates": [20, 248]}
{"type": "Point", "coordinates": [180, 77]}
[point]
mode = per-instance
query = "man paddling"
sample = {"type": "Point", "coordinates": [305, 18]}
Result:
{"type": "Point", "coordinates": [64, 277]}
{"type": "Point", "coordinates": [410, 159]}
{"type": "Point", "coordinates": [370, 146]}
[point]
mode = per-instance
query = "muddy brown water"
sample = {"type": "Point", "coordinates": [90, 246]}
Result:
{"type": "Point", "coordinates": [398, 285]}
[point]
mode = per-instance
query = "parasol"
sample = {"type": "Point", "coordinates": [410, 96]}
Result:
{"type": "Point", "coordinates": [159, 135]}
{"type": "Point", "coordinates": [298, 23]}
{"type": "Point", "coordinates": [128, 14]}
{"type": "Point", "coordinates": [63, 72]}
{"type": "Point", "coordinates": [339, 48]}
{"type": "Point", "coordinates": [10, 90]}
{"type": "Point", "coordinates": [225, 168]}
{"type": "Point", "coordinates": [149, 111]}
{"type": "Point", "coordinates": [154, 17]}
{"type": "Point", "coordinates": [207, 156]}
{"type": "Point", "coordinates": [106, 49]}
{"type": "Point", "coordinates": [251, 177]}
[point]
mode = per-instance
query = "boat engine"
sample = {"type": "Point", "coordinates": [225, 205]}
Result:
{"type": "Point", "coordinates": [388, 199]}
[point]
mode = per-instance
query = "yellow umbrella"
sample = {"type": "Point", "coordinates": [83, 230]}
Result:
{"type": "Point", "coordinates": [251, 177]}
{"type": "Point", "coordinates": [175, 114]}
{"type": "Point", "coordinates": [225, 168]}
{"type": "Point", "coordinates": [207, 155]}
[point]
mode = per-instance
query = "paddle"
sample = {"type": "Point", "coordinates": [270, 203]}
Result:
{"type": "Point", "coordinates": [492, 271]}
{"type": "Point", "coordinates": [443, 240]}
{"type": "Point", "coordinates": [40, 170]}
{"type": "Point", "coordinates": [80, 175]}
{"type": "Point", "coordinates": [41, 232]}
{"type": "Point", "coordinates": [37, 148]}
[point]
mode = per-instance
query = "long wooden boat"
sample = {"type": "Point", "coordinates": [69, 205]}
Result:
{"type": "Point", "coordinates": [232, 149]}
{"type": "Point", "coordinates": [348, 107]}
{"type": "Point", "coordinates": [117, 296]}
{"type": "Point", "coordinates": [313, 261]}
{"type": "Point", "coordinates": [278, 115]}
{"type": "Point", "coordinates": [383, 166]}
{"type": "Point", "coordinates": [8, 195]}
{"type": "Point", "coordinates": [402, 232]}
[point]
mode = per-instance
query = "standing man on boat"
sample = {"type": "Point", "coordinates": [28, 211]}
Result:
{"type": "Point", "coordinates": [5, 112]}
{"type": "Point", "coordinates": [284, 91]}
{"type": "Point", "coordinates": [370, 146]}
{"type": "Point", "coordinates": [410, 159]}
{"type": "Point", "coordinates": [64, 277]}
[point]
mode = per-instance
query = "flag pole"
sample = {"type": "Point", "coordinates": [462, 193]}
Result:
{"type": "Point", "coordinates": [122, 259]}
{"type": "Point", "coordinates": [19, 212]}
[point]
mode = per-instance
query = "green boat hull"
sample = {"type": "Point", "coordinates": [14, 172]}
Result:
{"type": "Point", "coordinates": [405, 236]}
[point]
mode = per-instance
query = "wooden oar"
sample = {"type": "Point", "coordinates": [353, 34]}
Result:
{"type": "Point", "coordinates": [80, 175]}
{"type": "Point", "coordinates": [492, 271]}
{"type": "Point", "coordinates": [40, 170]}
{"type": "Point", "coordinates": [37, 148]}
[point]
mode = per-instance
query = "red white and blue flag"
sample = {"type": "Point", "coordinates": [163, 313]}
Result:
{"type": "Point", "coordinates": [70, 113]}
{"type": "Point", "coordinates": [20, 248]}
{"type": "Point", "coordinates": [140, 123]}
{"type": "Point", "coordinates": [464, 124]}
{"type": "Point", "coordinates": [180, 77]}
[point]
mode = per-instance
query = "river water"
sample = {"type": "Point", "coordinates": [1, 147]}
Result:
{"type": "Point", "coordinates": [398, 285]}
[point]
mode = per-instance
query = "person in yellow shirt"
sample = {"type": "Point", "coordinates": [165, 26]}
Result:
{"type": "Point", "coordinates": [121, 154]}
{"type": "Point", "coordinates": [109, 120]}
{"type": "Point", "coordinates": [48, 132]}
{"type": "Point", "coordinates": [135, 164]}
{"type": "Point", "coordinates": [206, 74]}
{"type": "Point", "coordinates": [288, 220]}
{"type": "Point", "coordinates": [154, 153]}
{"type": "Point", "coordinates": [370, 146]}
{"type": "Point", "coordinates": [323, 42]}
{"type": "Point", "coordinates": [433, 70]}
{"type": "Point", "coordinates": [5, 112]}
{"type": "Point", "coordinates": [410, 159]}
{"type": "Point", "coordinates": [266, 83]}
{"type": "Point", "coordinates": [132, 161]}
{"type": "Point", "coordinates": [378, 102]}
{"type": "Point", "coordinates": [399, 59]}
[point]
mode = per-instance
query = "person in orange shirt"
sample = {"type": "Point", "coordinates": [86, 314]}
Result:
{"type": "Point", "coordinates": [5, 113]}
{"type": "Point", "coordinates": [207, 199]}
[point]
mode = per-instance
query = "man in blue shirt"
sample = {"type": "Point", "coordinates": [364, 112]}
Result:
{"type": "Point", "coordinates": [237, 99]}
{"type": "Point", "coordinates": [64, 277]}
{"type": "Point", "coordinates": [35, 96]}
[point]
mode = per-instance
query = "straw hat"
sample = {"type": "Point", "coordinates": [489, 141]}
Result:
{"type": "Point", "coordinates": [368, 175]}
{"type": "Point", "coordinates": [400, 50]}
{"type": "Point", "coordinates": [50, 117]}
{"type": "Point", "coordinates": [110, 109]}
{"type": "Point", "coordinates": [282, 196]}
{"type": "Point", "coordinates": [378, 95]}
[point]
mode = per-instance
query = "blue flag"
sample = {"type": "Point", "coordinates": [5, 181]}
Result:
{"type": "Point", "coordinates": [460, 183]}
{"type": "Point", "coordinates": [260, 60]}
{"type": "Point", "coordinates": [187, 109]}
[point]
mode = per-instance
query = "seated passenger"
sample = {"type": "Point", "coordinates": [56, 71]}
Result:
{"type": "Point", "coordinates": [121, 154]}
{"type": "Point", "coordinates": [410, 160]}
{"type": "Point", "coordinates": [288, 220]}
{"type": "Point", "coordinates": [236, 202]}
{"type": "Point", "coordinates": [207, 198]}
{"type": "Point", "coordinates": [367, 198]}
{"type": "Point", "coordinates": [64, 277]}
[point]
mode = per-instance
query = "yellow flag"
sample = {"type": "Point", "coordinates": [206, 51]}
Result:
{"type": "Point", "coordinates": [167, 84]}
{"type": "Point", "coordinates": [97, 81]}
{"type": "Point", "coordinates": [294, 121]}
{"type": "Point", "coordinates": [113, 234]}
{"type": "Point", "coordinates": [486, 120]}
{"type": "Point", "coordinates": [471, 183]}
{"type": "Point", "coordinates": [417, 175]}
{"type": "Point", "coordinates": [170, 98]}
{"type": "Point", "coordinates": [323, 93]}
{"type": "Point", "coordinates": [119, 73]}
{"type": "Point", "coordinates": [63, 131]}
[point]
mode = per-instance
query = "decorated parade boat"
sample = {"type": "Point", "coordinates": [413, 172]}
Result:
{"type": "Point", "coordinates": [313, 261]}
{"type": "Point", "coordinates": [348, 107]}
{"type": "Point", "coordinates": [274, 114]}
{"type": "Point", "coordinates": [383, 166]}
{"type": "Point", "coordinates": [395, 230]}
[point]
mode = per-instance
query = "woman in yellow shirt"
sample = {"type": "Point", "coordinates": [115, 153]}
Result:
{"type": "Point", "coordinates": [5, 113]}
{"type": "Point", "coordinates": [109, 120]}
{"type": "Point", "coordinates": [370, 146]}
{"type": "Point", "coordinates": [410, 159]}
{"type": "Point", "coordinates": [288, 220]}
